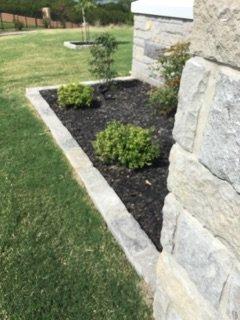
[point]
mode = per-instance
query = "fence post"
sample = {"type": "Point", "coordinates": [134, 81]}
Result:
{"type": "Point", "coordinates": [1, 20]}
{"type": "Point", "coordinates": [26, 23]}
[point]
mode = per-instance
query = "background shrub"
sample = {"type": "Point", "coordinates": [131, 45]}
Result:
{"type": "Point", "coordinates": [170, 66]}
{"type": "Point", "coordinates": [127, 145]}
{"type": "Point", "coordinates": [110, 13]}
{"type": "Point", "coordinates": [101, 60]}
{"type": "Point", "coordinates": [76, 95]}
{"type": "Point", "coordinates": [46, 23]}
{"type": "Point", "coordinates": [65, 10]}
{"type": "Point", "coordinates": [18, 25]}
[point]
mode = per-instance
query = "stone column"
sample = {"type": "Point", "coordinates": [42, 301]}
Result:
{"type": "Point", "coordinates": [46, 12]}
{"type": "Point", "coordinates": [157, 26]}
{"type": "Point", "coordinates": [199, 269]}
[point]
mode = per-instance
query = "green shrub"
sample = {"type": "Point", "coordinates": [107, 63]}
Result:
{"type": "Point", "coordinates": [46, 23]}
{"type": "Point", "coordinates": [127, 145]}
{"type": "Point", "coordinates": [76, 95]}
{"type": "Point", "coordinates": [18, 25]}
{"type": "Point", "coordinates": [164, 99]}
{"type": "Point", "coordinates": [101, 61]}
{"type": "Point", "coordinates": [171, 64]}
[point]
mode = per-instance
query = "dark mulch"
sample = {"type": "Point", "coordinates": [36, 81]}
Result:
{"type": "Point", "coordinates": [142, 191]}
{"type": "Point", "coordinates": [83, 43]}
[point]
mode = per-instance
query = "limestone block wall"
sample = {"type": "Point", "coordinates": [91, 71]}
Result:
{"type": "Point", "coordinates": [199, 269]}
{"type": "Point", "coordinates": [153, 33]}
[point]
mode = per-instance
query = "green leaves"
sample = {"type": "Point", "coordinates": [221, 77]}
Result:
{"type": "Point", "coordinates": [127, 145]}
{"type": "Point", "coordinates": [76, 95]}
{"type": "Point", "coordinates": [171, 64]}
{"type": "Point", "coordinates": [165, 99]}
{"type": "Point", "coordinates": [101, 61]}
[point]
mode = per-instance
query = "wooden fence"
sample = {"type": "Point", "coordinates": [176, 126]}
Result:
{"type": "Point", "coordinates": [8, 20]}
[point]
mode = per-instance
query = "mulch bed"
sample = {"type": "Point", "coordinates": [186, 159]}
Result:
{"type": "Point", "coordinates": [81, 43]}
{"type": "Point", "coordinates": [142, 191]}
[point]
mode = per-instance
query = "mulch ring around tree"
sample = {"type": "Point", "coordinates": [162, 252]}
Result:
{"type": "Point", "coordinates": [142, 191]}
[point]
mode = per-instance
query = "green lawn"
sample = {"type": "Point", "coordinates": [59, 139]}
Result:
{"type": "Point", "coordinates": [57, 259]}
{"type": "Point", "coordinates": [7, 26]}
{"type": "Point", "coordinates": [10, 27]}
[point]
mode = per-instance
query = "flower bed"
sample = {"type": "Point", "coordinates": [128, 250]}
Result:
{"type": "Point", "coordinates": [142, 191]}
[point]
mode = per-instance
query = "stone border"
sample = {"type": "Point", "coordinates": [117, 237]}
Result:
{"type": "Point", "coordinates": [138, 248]}
{"type": "Point", "coordinates": [71, 45]}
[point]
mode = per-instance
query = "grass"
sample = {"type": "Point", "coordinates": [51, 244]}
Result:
{"type": "Point", "coordinates": [10, 27]}
{"type": "Point", "coordinates": [5, 26]}
{"type": "Point", "coordinates": [57, 259]}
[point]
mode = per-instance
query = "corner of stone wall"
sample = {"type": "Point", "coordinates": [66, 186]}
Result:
{"type": "Point", "coordinates": [152, 35]}
{"type": "Point", "coordinates": [199, 269]}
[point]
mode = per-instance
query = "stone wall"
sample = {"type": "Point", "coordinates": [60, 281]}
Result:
{"type": "Point", "coordinates": [152, 35]}
{"type": "Point", "coordinates": [199, 269]}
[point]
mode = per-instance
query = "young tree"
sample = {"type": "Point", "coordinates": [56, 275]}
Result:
{"type": "Point", "coordinates": [82, 6]}
{"type": "Point", "coordinates": [102, 58]}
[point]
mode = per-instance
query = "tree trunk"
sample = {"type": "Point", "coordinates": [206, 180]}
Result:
{"type": "Point", "coordinates": [84, 25]}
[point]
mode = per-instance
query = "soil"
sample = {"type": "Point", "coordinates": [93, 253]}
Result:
{"type": "Point", "coordinates": [142, 191]}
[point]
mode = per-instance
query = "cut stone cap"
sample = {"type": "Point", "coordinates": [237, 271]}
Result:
{"type": "Point", "coordinates": [182, 9]}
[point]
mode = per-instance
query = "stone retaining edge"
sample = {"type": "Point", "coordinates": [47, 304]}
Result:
{"type": "Point", "coordinates": [70, 45]}
{"type": "Point", "coordinates": [138, 248]}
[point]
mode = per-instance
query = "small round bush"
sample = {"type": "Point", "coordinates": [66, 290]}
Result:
{"type": "Point", "coordinates": [164, 99]}
{"type": "Point", "coordinates": [128, 145]}
{"type": "Point", "coordinates": [75, 95]}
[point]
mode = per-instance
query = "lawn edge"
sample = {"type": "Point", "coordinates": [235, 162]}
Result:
{"type": "Point", "coordinates": [137, 246]}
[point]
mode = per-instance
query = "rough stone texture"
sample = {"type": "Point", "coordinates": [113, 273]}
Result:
{"type": "Point", "coordinates": [153, 50]}
{"type": "Point", "coordinates": [212, 201]}
{"type": "Point", "coordinates": [171, 212]}
{"type": "Point", "coordinates": [160, 304]}
{"type": "Point", "coordinates": [178, 295]}
{"type": "Point", "coordinates": [216, 30]}
{"type": "Point", "coordinates": [199, 269]}
{"type": "Point", "coordinates": [152, 35]}
{"type": "Point", "coordinates": [230, 305]}
{"type": "Point", "coordinates": [208, 119]}
{"type": "Point", "coordinates": [172, 314]}
{"type": "Point", "coordinates": [220, 150]}
{"type": "Point", "coordinates": [192, 96]}
{"type": "Point", "coordinates": [209, 264]}
{"type": "Point", "coordinates": [164, 309]}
